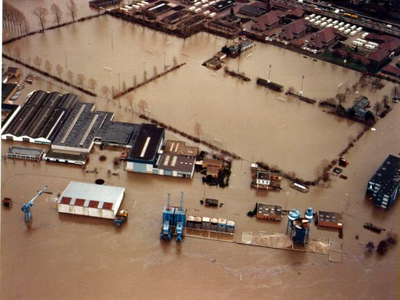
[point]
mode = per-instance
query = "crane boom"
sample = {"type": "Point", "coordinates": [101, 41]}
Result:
{"type": "Point", "coordinates": [26, 207]}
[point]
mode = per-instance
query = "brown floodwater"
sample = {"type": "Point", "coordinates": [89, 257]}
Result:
{"type": "Point", "coordinates": [246, 119]}
{"type": "Point", "coordinates": [74, 257]}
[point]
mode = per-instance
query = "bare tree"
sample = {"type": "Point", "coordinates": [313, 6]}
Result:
{"type": "Point", "coordinates": [377, 108]}
{"type": "Point", "coordinates": [174, 61]}
{"type": "Point", "coordinates": [369, 247]}
{"type": "Point", "coordinates": [92, 84]}
{"type": "Point", "coordinates": [41, 13]}
{"type": "Point", "coordinates": [395, 91]}
{"type": "Point", "coordinates": [155, 71]}
{"type": "Point", "coordinates": [143, 106]}
{"type": "Point", "coordinates": [57, 13]}
{"type": "Point", "coordinates": [72, 9]}
{"type": "Point", "coordinates": [144, 75]}
{"type": "Point", "coordinates": [197, 130]}
{"type": "Point", "coordinates": [385, 100]}
{"type": "Point", "coordinates": [124, 86]}
{"type": "Point", "coordinates": [81, 78]}
{"type": "Point", "coordinates": [134, 81]}
{"type": "Point", "coordinates": [37, 61]}
{"type": "Point", "coordinates": [59, 70]}
{"type": "Point", "coordinates": [17, 53]}
{"type": "Point", "coordinates": [48, 66]}
{"type": "Point", "coordinates": [70, 76]}
{"type": "Point", "coordinates": [130, 99]}
{"type": "Point", "coordinates": [105, 91]}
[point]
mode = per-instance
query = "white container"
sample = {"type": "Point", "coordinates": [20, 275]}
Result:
{"type": "Point", "coordinates": [312, 20]}
{"type": "Point", "coordinates": [336, 26]}
{"type": "Point", "coordinates": [347, 26]}
{"type": "Point", "coordinates": [323, 19]}
{"type": "Point", "coordinates": [347, 31]}
{"type": "Point", "coordinates": [312, 15]}
{"type": "Point", "coordinates": [192, 8]}
{"type": "Point", "coordinates": [205, 6]}
{"type": "Point", "coordinates": [206, 13]}
{"type": "Point", "coordinates": [359, 29]}
{"type": "Point", "coordinates": [197, 10]}
{"type": "Point", "coordinates": [197, 4]}
{"type": "Point", "coordinates": [341, 29]}
{"type": "Point", "coordinates": [317, 23]}
{"type": "Point", "coordinates": [353, 27]}
{"type": "Point", "coordinates": [212, 15]}
{"type": "Point", "coordinates": [324, 24]}
{"type": "Point", "coordinates": [353, 33]}
{"type": "Point", "coordinates": [335, 22]}
{"type": "Point", "coordinates": [329, 21]}
{"type": "Point", "coordinates": [341, 24]}
{"type": "Point", "coordinates": [307, 18]}
{"type": "Point", "coordinates": [329, 25]}
{"type": "Point", "coordinates": [317, 17]}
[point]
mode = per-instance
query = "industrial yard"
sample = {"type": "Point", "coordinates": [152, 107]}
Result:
{"type": "Point", "coordinates": [233, 191]}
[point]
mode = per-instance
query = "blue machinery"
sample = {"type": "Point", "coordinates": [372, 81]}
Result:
{"type": "Point", "coordinates": [173, 218]}
{"type": "Point", "coordinates": [26, 207]}
{"type": "Point", "coordinates": [299, 228]}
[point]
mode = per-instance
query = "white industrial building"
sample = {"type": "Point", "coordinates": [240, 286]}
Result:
{"type": "Point", "coordinates": [92, 200]}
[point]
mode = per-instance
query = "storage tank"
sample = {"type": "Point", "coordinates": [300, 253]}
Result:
{"type": "Point", "coordinates": [341, 29]}
{"type": "Point", "coordinates": [301, 231]}
{"type": "Point", "coordinates": [329, 21]}
{"type": "Point", "coordinates": [205, 223]}
{"type": "Point", "coordinates": [341, 24]}
{"type": "Point", "coordinates": [323, 24]}
{"type": "Point", "coordinates": [312, 20]}
{"type": "Point", "coordinates": [212, 15]}
{"type": "Point", "coordinates": [312, 15]}
{"type": "Point", "coordinates": [347, 31]}
{"type": "Point", "coordinates": [230, 226]}
{"type": "Point", "coordinates": [190, 222]}
{"type": "Point", "coordinates": [335, 22]}
{"type": "Point", "coordinates": [323, 19]}
{"type": "Point", "coordinates": [197, 10]}
{"type": "Point", "coordinates": [317, 17]}
{"type": "Point", "coordinates": [353, 27]}
{"type": "Point", "coordinates": [347, 26]}
{"type": "Point", "coordinates": [359, 29]}
{"type": "Point", "coordinates": [353, 33]}
{"type": "Point", "coordinates": [307, 18]}
{"type": "Point", "coordinates": [214, 224]}
{"type": "Point", "coordinates": [336, 26]}
{"type": "Point", "coordinates": [317, 22]}
{"type": "Point", "coordinates": [222, 225]}
{"type": "Point", "coordinates": [329, 25]}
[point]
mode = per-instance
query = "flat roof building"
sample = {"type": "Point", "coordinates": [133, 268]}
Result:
{"type": "Point", "coordinates": [269, 212]}
{"type": "Point", "coordinates": [41, 117]}
{"type": "Point", "coordinates": [145, 149]}
{"type": "Point", "coordinates": [118, 134]}
{"type": "Point", "coordinates": [74, 158]}
{"type": "Point", "coordinates": [25, 153]}
{"type": "Point", "coordinates": [177, 165]}
{"type": "Point", "coordinates": [180, 148]}
{"type": "Point", "coordinates": [8, 90]}
{"type": "Point", "coordinates": [8, 113]}
{"type": "Point", "coordinates": [329, 219]}
{"type": "Point", "coordinates": [92, 200]}
{"type": "Point", "coordinates": [383, 187]}
{"type": "Point", "coordinates": [80, 129]}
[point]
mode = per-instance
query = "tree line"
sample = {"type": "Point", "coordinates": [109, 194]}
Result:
{"type": "Point", "coordinates": [41, 13]}
{"type": "Point", "coordinates": [14, 19]}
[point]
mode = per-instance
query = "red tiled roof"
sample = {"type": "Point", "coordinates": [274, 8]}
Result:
{"type": "Point", "coordinates": [79, 202]}
{"type": "Point", "coordinates": [93, 204]}
{"type": "Point", "coordinates": [66, 200]}
{"type": "Point", "coordinates": [393, 45]}
{"type": "Point", "coordinates": [297, 26]}
{"type": "Point", "coordinates": [391, 70]}
{"type": "Point", "coordinates": [107, 205]}
{"type": "Point", "coordinates": [327, 35]}
{"type": "Point", "coordinates": [296, 12]}
{"type": "Point", "coordinates": [378, 55]}
{"type": "Point", "coordinates": [270, 18]}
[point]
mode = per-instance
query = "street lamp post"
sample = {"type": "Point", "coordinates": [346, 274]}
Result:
{"type": "Point", "coordinates": [301, 88]}
{"type": "Point", "coordinates": [269, 74]}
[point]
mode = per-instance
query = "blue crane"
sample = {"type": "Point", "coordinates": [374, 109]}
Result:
{"type": "Point", "coordinates": [180, 220]}
{"type": "Point", "coordinates": [26, 207]}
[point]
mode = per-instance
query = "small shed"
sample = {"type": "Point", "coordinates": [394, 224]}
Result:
{"type": "Point", "coordinates": [92, 200]}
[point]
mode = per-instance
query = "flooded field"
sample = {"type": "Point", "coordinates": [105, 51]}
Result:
{"type": "Point", "coordinates": [73, 257]}
{"type": "Point", "coordinates": [232, 114]}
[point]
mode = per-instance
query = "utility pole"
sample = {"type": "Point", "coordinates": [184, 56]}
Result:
{"type": "Point", "coordinates": [301, 89]}
{"type": "Point", "coordinates": [269, 74]}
